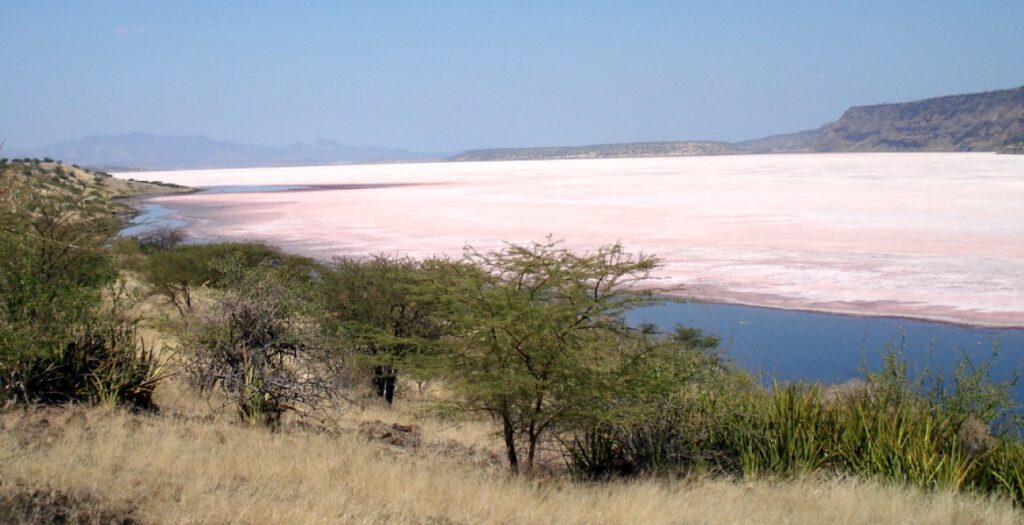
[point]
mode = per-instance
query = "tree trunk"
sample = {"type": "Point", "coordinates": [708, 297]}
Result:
{"type": "Point", "coordinates": [384, 378]}
{"type": "Point", "coordinates": [510, 445]}
{"type": "Point", "coordinates": [531, 448]}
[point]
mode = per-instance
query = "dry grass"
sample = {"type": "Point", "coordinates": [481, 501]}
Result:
{"type": "Point", "coordinates": [171, 469]}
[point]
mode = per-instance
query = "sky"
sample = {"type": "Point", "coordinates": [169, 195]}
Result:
{"type": "Point", "coordinates": [445, 76]}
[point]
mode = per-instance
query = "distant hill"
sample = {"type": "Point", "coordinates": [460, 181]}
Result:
{"type": "Point", "coordinates": [801, 141]}
{"type": "Point", "coordinates": [635, 149]}
{"type": "Point", "coordinates": [146, 151]}
{"type": "Point", "coordinates": [990, 121]}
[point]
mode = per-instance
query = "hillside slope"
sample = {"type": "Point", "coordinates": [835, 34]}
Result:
{"type": "Point", "coordinates": [89, 189]}
{"type": "Point", "coordinates": [1014, 149]}
{"type": "Point", "coordinates": [976, 122]}
{"type": "Point", "coordinates": [990, 121]}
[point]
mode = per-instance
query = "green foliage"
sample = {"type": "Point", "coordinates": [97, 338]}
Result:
{"type": "Point", "coordinates": [177, 272]}
{"type": "Point", "coordinates": [897, 426]}
{"type": "Point", "coordinates": [385, 309]}
{"type": "Point", "coordinates": [1001, 471]}
{"type": "Point", "coordinates": [901, 442]}
{"type": "Point", "coordinates": [57, 342]}
{"type": "Point", "coordinates": [787, 436]}
{"type": "Point", "coordinates": [105, 362]}
{"type": "Point", "coordinates": [539, 342]}
{"type": "Point", "coordinates": [684, 424]}
{"type": "Point", "coordinates": [900, 427]}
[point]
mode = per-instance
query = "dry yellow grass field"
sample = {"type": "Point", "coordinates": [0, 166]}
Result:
{"type": "Point", "coordinates": [191, 467]}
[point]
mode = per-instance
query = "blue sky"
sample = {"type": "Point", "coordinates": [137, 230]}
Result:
{"type": "Point", "coordinates": [445, 76]}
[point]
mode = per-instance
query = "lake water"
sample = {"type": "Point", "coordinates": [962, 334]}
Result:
{"type": "Point", "coordinates": [152, 217]}
{"type": "Point", "coordinates": [832, 348]}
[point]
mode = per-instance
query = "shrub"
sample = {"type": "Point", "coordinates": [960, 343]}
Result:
{"type": "Point", "coordinates": [257, 346]}
{"type": "Point", "coordinates": [662, 416]}
{"type": "Point", "coordinates": [901, 427]}
{"type": "Point", "coordinates": [52, 267]}
{"type": "Point", "coordinates": [161, 239]}
{"type": "Point", "coordinates": [103, 363]}
{"type": "Point", "coordinates": [175, 273]}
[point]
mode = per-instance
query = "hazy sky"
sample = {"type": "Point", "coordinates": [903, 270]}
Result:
{"type": "Point", "coordinates": [446, 76]}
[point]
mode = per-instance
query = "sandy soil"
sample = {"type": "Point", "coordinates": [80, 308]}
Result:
{"type": "Point", "coordinates": [928, 235]}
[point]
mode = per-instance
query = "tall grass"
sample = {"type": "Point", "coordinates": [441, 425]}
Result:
{"type": "Point", "coordinates": [917, 429]}
{"type": "Point", "coordinates": [788, 433]}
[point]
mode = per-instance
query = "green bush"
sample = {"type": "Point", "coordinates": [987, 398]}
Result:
{"type": "Point", "coordinates": [177, 272]}
{"type": "Point", "coordinates": [58, 343]}
{"type": "Point", "coordinates": [663, 415]}
{"type": "Point", "coordinates": [102, 363]}
{"type": "Point", "coordinates": [1001, 471]}
{"type": "Point", "coordinates": [920, 429]}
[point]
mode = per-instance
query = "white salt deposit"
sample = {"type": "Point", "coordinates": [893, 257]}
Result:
{"type": "Point", "coordinates": [929, 235]}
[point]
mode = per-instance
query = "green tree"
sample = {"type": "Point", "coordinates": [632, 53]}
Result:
{"type": "Point", "coordinates": [540, 343]}
{"type": "Point", "coordinates": [384, 309]}
{"type": "Point", "coordinates": [175, 273]}
{"type": "Point", "coordinates": [52, 266]}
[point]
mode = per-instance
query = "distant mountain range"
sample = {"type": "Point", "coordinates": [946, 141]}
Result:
{"type": "Point", "coordinates": [990, 121]}
{"type": "Point", "coordinates": [147, 151]}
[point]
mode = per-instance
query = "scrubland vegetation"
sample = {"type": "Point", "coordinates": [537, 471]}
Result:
{"type": "Point", "coordinates": [151, 380]}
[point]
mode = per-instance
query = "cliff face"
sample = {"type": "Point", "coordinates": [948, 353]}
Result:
{"type": "Point", "coordinates": [977, 122]}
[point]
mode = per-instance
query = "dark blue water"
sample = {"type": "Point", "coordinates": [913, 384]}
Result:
{"type": "Point", "coordinates": [831, 348]}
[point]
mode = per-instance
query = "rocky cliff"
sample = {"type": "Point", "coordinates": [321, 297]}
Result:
{"type": "Point", "coordinates": [976, 122]}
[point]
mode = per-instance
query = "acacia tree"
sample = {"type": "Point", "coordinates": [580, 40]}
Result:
{"type": "Point", "coordinates": [540, 339]}
{"type": "Point", "coordinates": [384, 309]}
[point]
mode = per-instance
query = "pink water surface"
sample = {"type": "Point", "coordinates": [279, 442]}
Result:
{"type": "Point", "coordinates": [928, 235]}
